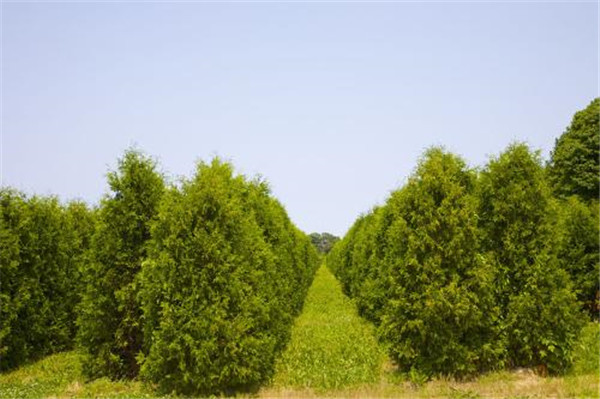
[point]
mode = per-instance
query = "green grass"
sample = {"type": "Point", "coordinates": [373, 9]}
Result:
{"type": "Point", "coordinates": [331, 346]}
{"type": "Point", "coordinates": [585, 358]}
{"type": "Point", "coordinates": [332, 353]}
{"type": "Point", "coordinates": [59, 376]}
{"type": "Point", "coordinates": [43, 378]}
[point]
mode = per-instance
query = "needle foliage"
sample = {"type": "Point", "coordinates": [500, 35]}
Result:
{"type": "Point", "coordinates": [42, 249]}
{"type": "Point", "coordinates": [109, 321]}
{"type": "Point", "coordinates": [226, 273]}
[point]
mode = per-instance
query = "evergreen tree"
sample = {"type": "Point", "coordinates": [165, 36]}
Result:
{"type": "Point", "coordinates": [226, 273]}
{"type": "Point", "coordinates": [363, 277]}
{"type": "Point", "coordinates": [79, 226]}
{"type": "Point", "coordinates": [579, 249]}
{"type": "Point", "coordinates": [440, 315]}
{"type": "Point", "coordinates": [109, 318]}
{"type": "Point", "coordinates": [14, 298]}
{"type": "Point", "coordinates": [539, 309]}
{"type": "Point", "coordinates": [39, 280]}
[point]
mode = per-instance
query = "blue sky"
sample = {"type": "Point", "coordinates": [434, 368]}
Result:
{"type": "Point", "coordinates": [332, 103]}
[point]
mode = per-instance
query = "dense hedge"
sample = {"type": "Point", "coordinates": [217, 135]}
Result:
{"type": "Point", "coordinates": [465, 271]}
{"type": "Point", "coordinates": [109, 321]}
{"type": "Point", "coordinates": [42, 249]}
{"type": "Point", "coordinates": [226, 273]}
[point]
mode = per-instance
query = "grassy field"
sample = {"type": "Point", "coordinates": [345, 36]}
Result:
{"type": "Point", "coordinates": [333, 353]}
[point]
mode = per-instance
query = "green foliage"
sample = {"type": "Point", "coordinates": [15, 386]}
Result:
{"type": "Point", "coordinates": [225, 274]}
{"type": "Point", "coordinates": [198, 285]}
{"type": "Point", "coordinates": [539, 310]}
{"type": "Point", "coordinates": [414, 268]}
{"type": "Point", "coordinates": [109, 315]}
{"type": "Point", "coordinates": [358, 263]}
{"type": "Point", "coordinates": [80, 223]}
{"type": "Point", "coordinates": [466, 272]}
{"type": "Point", "coordinates": [514, 206]}
{"type": "Point", "coordinates": [574, 167]}
{"type": "Point", "coordinates": [13, 297]}
{"type": "Point", "coordinates": [39, 271]}
{"type": "Point", "coordinates": [440, 315]}
{"type": "Point", "coordinates": [579, 249]}
{"type": "Point", "coordinates": [586, 353]}
{"type": "Point", "coordinates": [323, 242]}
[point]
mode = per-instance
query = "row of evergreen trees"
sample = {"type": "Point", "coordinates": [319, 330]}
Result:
{"type": "Point", "coordinates": [192, 286]}
{"type": "Point", "coordinates": [468, 270]}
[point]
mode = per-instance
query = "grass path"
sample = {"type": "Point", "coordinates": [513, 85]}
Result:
{"type": "Point", "coordinates": [331, 346]}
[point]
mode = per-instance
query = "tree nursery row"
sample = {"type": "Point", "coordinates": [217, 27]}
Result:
{"type": "Point", "coordinates": [192, 287]}
{"type": "Point", "coordinates": [468, 270]}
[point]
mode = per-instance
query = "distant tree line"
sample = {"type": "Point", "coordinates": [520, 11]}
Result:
{"type": "Point", "coordinates": [323, 242]}
{"type": "Point", "coordinates": [193, 287]}
{"type": "Point", "coordinates": [466, 270]}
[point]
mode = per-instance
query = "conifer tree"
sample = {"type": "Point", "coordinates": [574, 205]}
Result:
{"type": "Point", "coordinates": [225, 274]}
{"type": "Point", "coordinates": [109, 318]}
{"type": "Point", "coordinates": [13, 296]}
{"type": "Point", "coordinates": [440, 315]}
{"type": "Point", "coordinates": [579, 249]}
{"type": "Point", "coordinates": [539, 309]}
{"type": "Point", "coordinates": [38, 279]}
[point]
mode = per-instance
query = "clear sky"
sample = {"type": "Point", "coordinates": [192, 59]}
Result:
{"type": "Point", "coordinates": [332, 103]}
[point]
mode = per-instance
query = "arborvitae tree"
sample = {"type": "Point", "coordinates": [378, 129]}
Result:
{"type": "Point", "coordinates": [578, 249]}
{"type": "Point", "coordinates": [38, 280]}
{"type": "Point", "coordinates": [290, 247]}
{"type": "Point", "coordinates": [306, 260]}
{"type": "Point", "coordinates": [109, 318]}
{"type": "Point", "coordinates": [575, 165]}
{"type": "Point", "coordinates": [340, 258]}
{"type": "Point", "coordinates": [13, 295]}
{"type": "Point", "coordinates": [220, 285]}
{"type": "Point", "coordinates": [79, 224]}
{"type": "Point", "coordinates": [361, 273]}
{"type": "Point", "coordinates": [440, 316]}
{"type": "Point", "coordinates": [539, 310]}
{"type": "Point", "coordinates": [373, 296]}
